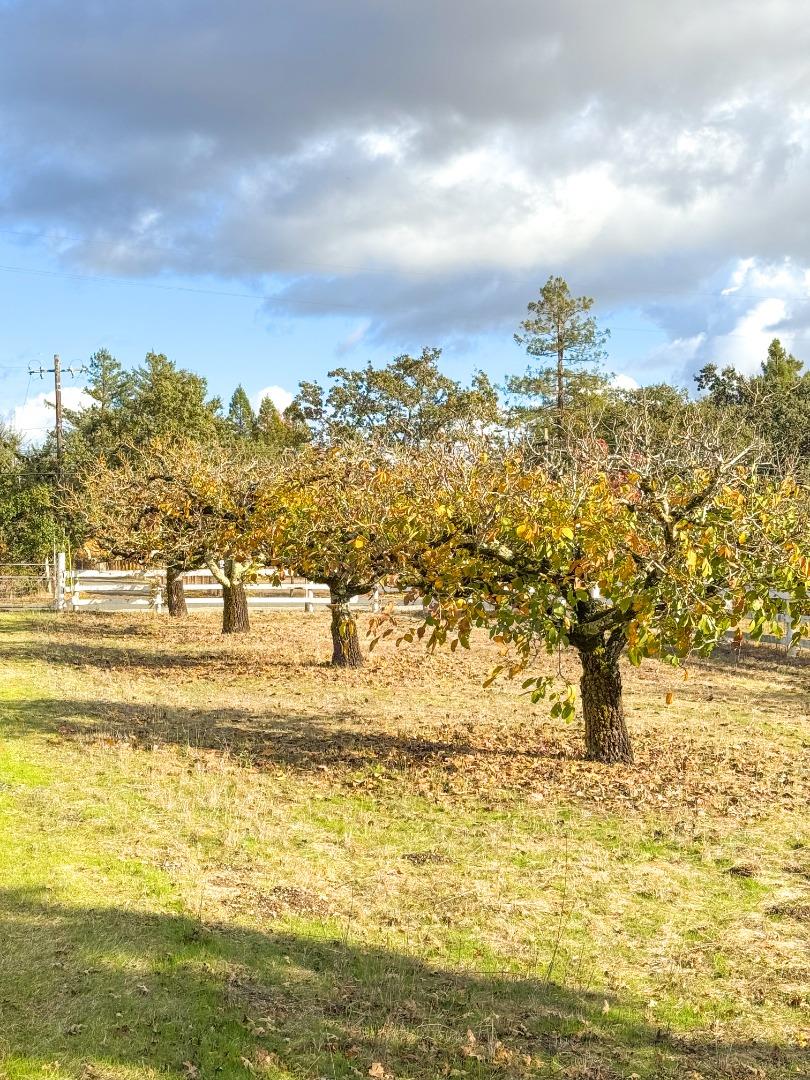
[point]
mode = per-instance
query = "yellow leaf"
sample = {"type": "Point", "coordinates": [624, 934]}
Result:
{"type": "Point", "coordinates": [360, 542]}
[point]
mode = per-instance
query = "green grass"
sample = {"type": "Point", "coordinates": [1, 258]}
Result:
{"type": "Point", "coordinates": [223, 859]}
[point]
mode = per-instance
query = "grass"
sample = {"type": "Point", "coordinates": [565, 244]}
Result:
{"type": "Point", "coordinates": [223, 859]}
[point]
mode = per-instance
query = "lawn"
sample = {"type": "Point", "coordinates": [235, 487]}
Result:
{"type": "Point", "coordinates": [222, 858]}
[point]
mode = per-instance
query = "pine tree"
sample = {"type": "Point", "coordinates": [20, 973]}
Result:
{"type": "Point", "coordinates": [241, 417]}
{"type": "Point", "coordinates": [270, 428]}
{"type": "Point", "coordinates": [560, 327]}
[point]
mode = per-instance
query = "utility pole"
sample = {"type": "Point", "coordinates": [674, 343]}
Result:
{"type": "Point", "coordinates": [57, 389]}
{"type": "Point", "coordinates": [56, 371]}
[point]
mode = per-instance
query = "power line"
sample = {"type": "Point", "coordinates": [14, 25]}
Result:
{"type": "Point", "coordinates": [280, 298]}
{"type": "Point", "coordinates": [132, 283]}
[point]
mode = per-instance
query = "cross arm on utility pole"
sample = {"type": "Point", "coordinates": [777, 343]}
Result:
{"type": "Point", "coordinates": [56, 371]}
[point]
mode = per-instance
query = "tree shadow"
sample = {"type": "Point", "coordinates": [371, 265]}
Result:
{"type": "Point", "coordinates": [102, 987]}
{"type": "Point", "coordinates": [295, 740]}
{"type": "Point", "coordinates": [762, 659]}
{"type": "Point", "coordinates": [147, 658]}
{"type": "Point", "coordinates": [114, 627]}
{"type": "Point", "coordinates": [148, 654]}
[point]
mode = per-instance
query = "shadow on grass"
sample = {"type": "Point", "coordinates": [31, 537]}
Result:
{"type": "Point", "coordinates": [292, 739]}
{"type": "Point", "coordinates": [148, 658]}
{"type": "Point", "coordinates": [101, 987]}
{"type": "Point", "coordinates": [161, 647]}
{"type": "Point", "coordinates": [105, 647]}
{"type": "Point", "coordinates": [754, 659]}
{"type": "Point", "coordinates": [46, 622]}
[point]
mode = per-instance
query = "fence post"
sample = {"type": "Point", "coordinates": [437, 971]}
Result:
{"type": "Point", "coordinates": [788, 628]}
{"type": "Point", "coordinates": [309, 607]}
{"type": "Point", "coordinates": [59, 593]}
{"type": "Point", "coordinates": [375, 599]}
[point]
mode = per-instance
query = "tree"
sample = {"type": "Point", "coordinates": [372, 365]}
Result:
{"type": "Point", "coordinates": [559, 326]}
{"type": "Point", "coordinates": [156, 401]}
{"type": "Point", "coordinates": [184, 504]}
{"type": "Point", "coordinates": [276, 432]}
{"type": "Point", "coordinates": [129, 411]}
{"type": "Point", "coordinates": [781, 368]}
{"type": "Point", "coordinates": [169, 402]}
{"type": "Point", "coordinates": [241, 417]}
{"type": "Point", "coordinates": [270, 428]}
{"type": "Point", "coordinates": [775, 404]}
{"type": "Point", "coordinates": [29, 525]}
{"type": "Point", "coordinates": [342, 520]}
{"type": "Point", "coordinates": [108, 384]}
{"type": "Point", "coordinates": [409, 403]}
{"type": "Point", "coordinates": [649, 550]}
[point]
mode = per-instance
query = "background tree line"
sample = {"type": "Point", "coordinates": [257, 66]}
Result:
{"type": "Point", "coordinates": [408, 402]}
{"type": "Point", "coordinates": [559, 512]}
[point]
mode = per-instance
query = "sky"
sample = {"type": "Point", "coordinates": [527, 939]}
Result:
{"type": "Point", "coordinates": [267, 189]}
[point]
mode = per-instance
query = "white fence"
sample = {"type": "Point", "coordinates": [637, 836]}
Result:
{"type": "Point", "coordinates": [133, 590]}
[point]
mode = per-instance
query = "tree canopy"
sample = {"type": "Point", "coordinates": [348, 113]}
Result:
{"type": "Point", "coordinates": [408, 402]}
{"type": "Point", "coordinates": [609, 551]}
{"type": "Point", "coordinates": [560, 327]}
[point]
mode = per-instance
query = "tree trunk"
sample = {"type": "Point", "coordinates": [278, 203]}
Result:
{"type": "Point", "coordinates": [345, 643]}
{"type": "Point", "coordinates": [560, 381]}
{"type": "Point", "coordinates": [175, 593]}
{"type": "Point", "coordinates": [235, 618]}
{"type": "Point", "coordinates": [606, 736]}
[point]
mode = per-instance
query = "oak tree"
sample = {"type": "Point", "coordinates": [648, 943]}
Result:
{"type": "Point", "coordinates": [409, 402]}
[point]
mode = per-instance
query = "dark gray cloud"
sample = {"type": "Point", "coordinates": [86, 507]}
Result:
{"type": "Point", "coordinates": [420, 165]}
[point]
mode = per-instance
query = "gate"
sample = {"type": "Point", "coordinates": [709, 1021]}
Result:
{"type": "Point", "coordinates": [28, 586]}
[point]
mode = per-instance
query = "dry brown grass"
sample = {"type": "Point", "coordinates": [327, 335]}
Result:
{"type": "Point", "coordinates": [729, 743]}
{"type": "Point", "coordinates": [383, 860]}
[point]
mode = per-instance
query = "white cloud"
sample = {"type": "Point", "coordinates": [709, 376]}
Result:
{"type": "Point", "coordinates": [35, 417]}
{"type": "Point", "coordinates": [676, 359]}
{"type": "Point", "coordinates": [280, 397]}
{"type": "Point", "coordinates": [623, 382]}
{"type": "Point", "coordinates": [746, 346]}
{"type": "Point", "coordinates": [368, 175]}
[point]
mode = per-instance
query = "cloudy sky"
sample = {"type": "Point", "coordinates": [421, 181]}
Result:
{"type": "Point", "coordinates": [266, 188]}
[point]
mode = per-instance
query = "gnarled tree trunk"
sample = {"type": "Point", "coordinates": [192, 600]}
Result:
{"type": "Point", "coordinates": [175, 593]}
{"type": "Point", "coordinates": [235, 618]}
{"type": "Point", "coordinates": [345, 642]}
{"type": "Point", "coordinates": [606, 735]}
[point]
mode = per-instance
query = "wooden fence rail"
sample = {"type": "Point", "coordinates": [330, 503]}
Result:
{"type": "Point", "coordinates": [126, 590]}
{"type": "Point", "coordinates": [134, 590]}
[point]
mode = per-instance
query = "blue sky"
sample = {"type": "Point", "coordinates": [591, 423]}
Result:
{"type": "Point", "coordinates": [228, 339]}
{"type": "Point", "coordinates": [396, 175]}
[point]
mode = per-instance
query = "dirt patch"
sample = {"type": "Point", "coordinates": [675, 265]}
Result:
{"type": "Point", "coordinates": [291, 900]}
{"type": "Point", "coordinates": [238, 893]}
{"type": "Point", "coordinates": [792, 909]}
{"type": "Point", "coordinates": [742, 870]}
{"type": "Point", "coordinates": [425, 858]}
